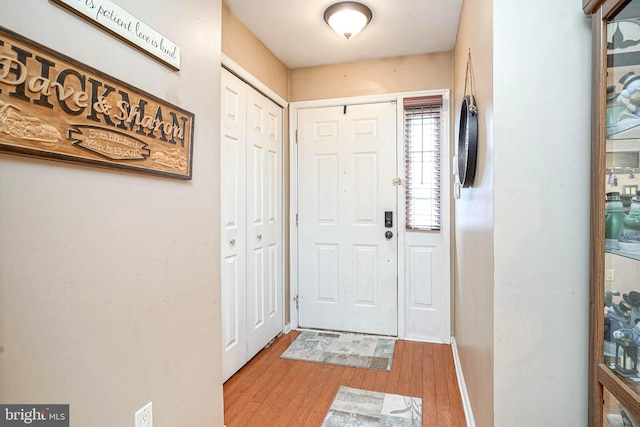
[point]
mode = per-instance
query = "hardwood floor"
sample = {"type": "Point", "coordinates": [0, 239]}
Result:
{"type": "Point", "coordinates": [270, 391]}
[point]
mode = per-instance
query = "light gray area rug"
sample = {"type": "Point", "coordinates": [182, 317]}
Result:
{"type": "Point", "coordinates": [360, 351]}
{"type": "Point", "coordinates": [355, 407]}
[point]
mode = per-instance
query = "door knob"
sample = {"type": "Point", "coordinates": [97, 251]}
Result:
{"type": "Point", "coordinates": [388, 234]}
{"type": "Point", "coordinates": [259, 236]}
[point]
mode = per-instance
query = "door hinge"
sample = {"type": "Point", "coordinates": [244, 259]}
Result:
{"type": "Point", "coordinates": [397, 181]}
{"type": "Point", "coordinates": [296, 301]}
{"type": "Point", "coordinates": [296, 136]}
{"type": "Point", "coordinates": [296, 220]}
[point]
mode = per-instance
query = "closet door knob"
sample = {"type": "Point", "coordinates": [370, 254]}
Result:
{"type": "Point", "coordinates": [232, 242]}
{"type": "Point", "coordinates": [259, 236]}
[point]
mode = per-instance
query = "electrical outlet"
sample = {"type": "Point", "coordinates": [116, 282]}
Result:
{"type": "Point", "coordinates": [144, 416]}
{"type": "Point", "coordinates": [609, 275]}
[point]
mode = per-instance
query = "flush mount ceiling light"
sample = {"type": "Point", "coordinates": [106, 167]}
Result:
{"type": "Point", "coordinates": [347, 18]}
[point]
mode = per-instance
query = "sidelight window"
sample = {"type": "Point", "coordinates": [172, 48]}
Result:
{"type": "Point", "coordinates": [422, 162]}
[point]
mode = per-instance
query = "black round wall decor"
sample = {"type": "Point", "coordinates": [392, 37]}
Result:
{"type": "Point", "coordinates": [468, 141]}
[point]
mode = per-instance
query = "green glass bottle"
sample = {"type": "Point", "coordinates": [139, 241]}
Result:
{"type": "Point", "coordinates": [629, 239]}
{"type": "Point", "coordinates": [613, 220]}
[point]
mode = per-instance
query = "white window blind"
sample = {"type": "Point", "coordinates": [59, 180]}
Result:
{"type": "Point", "coordinates": [422, 162]}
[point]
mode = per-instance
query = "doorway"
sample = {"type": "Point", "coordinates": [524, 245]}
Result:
{"type": "Point", "coordinates": [340, 291]}
{"type": "Point", "coordinates": [348, 247]}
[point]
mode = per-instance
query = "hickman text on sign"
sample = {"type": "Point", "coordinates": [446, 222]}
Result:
{"type": "Point", "coordinates": [53, 106]}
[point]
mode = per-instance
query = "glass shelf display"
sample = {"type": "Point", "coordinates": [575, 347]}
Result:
{"type": "Point", "coordinates": [623, 253]}
{"type": "Point", "coordinates": [615, 240]}
{"type": "Point", "coordinates": [622, 205]}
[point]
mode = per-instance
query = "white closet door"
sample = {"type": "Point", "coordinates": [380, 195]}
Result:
{"type": "Point", "coordinates": [252, 228]}
{"type": "Point", "coordinates": [264, 225]}
{"type": "Point", "coordinates": [233, 214]}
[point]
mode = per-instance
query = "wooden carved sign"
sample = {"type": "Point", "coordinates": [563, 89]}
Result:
{"type": "Point", "coordinates": [53, 106]}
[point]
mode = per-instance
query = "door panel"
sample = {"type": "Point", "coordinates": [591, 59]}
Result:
{"type": "Point", "coordinates": [365, 274]}
{"type": "Point", "coordinates": [326, 189]}
{"type": "Point", "coordinates": [272, 180]}
{"type": "Point", "coordinates": [348, 269]}
{"type": "Point", "coordinates": [326, 268]}
{"type": "Point", "coordinates": [425, 269]}
{"type": "Point", "coordinates": [420, 277]}
{"type": "Point", "coordinates": [274, 261]}
{"type": "Point", "coordinates": [232, 336]}
{"type": "Point", "coordinates": [365, 167]}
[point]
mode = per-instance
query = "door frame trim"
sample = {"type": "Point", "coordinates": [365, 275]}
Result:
{"type": "Point", "coordinates": [253, 81]}
{"type": "Point", "coordinates": [446, 171]}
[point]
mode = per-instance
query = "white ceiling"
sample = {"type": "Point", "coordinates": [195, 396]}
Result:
{"type": "Point", "coordinates": [295, 31]}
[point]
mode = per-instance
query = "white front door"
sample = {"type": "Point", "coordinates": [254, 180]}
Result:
{"type": "Point", "coordinates": [347, 266]}
{"type": "Point", "coordinates": [252, 226]}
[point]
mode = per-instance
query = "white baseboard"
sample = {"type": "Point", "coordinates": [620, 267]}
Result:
{"type": "Point", "coordinates": [466, 403]}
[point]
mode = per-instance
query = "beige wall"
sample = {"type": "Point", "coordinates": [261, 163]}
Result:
{"type": "Point", "coordinates": [541, 243]}
{"type": "Point", "coordinates": [625, 274]}
{"type": "Point", "coordinates": [521, 276]}
{"type": "Point", "coordinates": [246, 50]}
{"type": "Point", "coordinates": [110, 281]}
{"type": "Point", "coordinates": [389, 75]}
{"type": "Point", "coordinates": [474, 227]}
